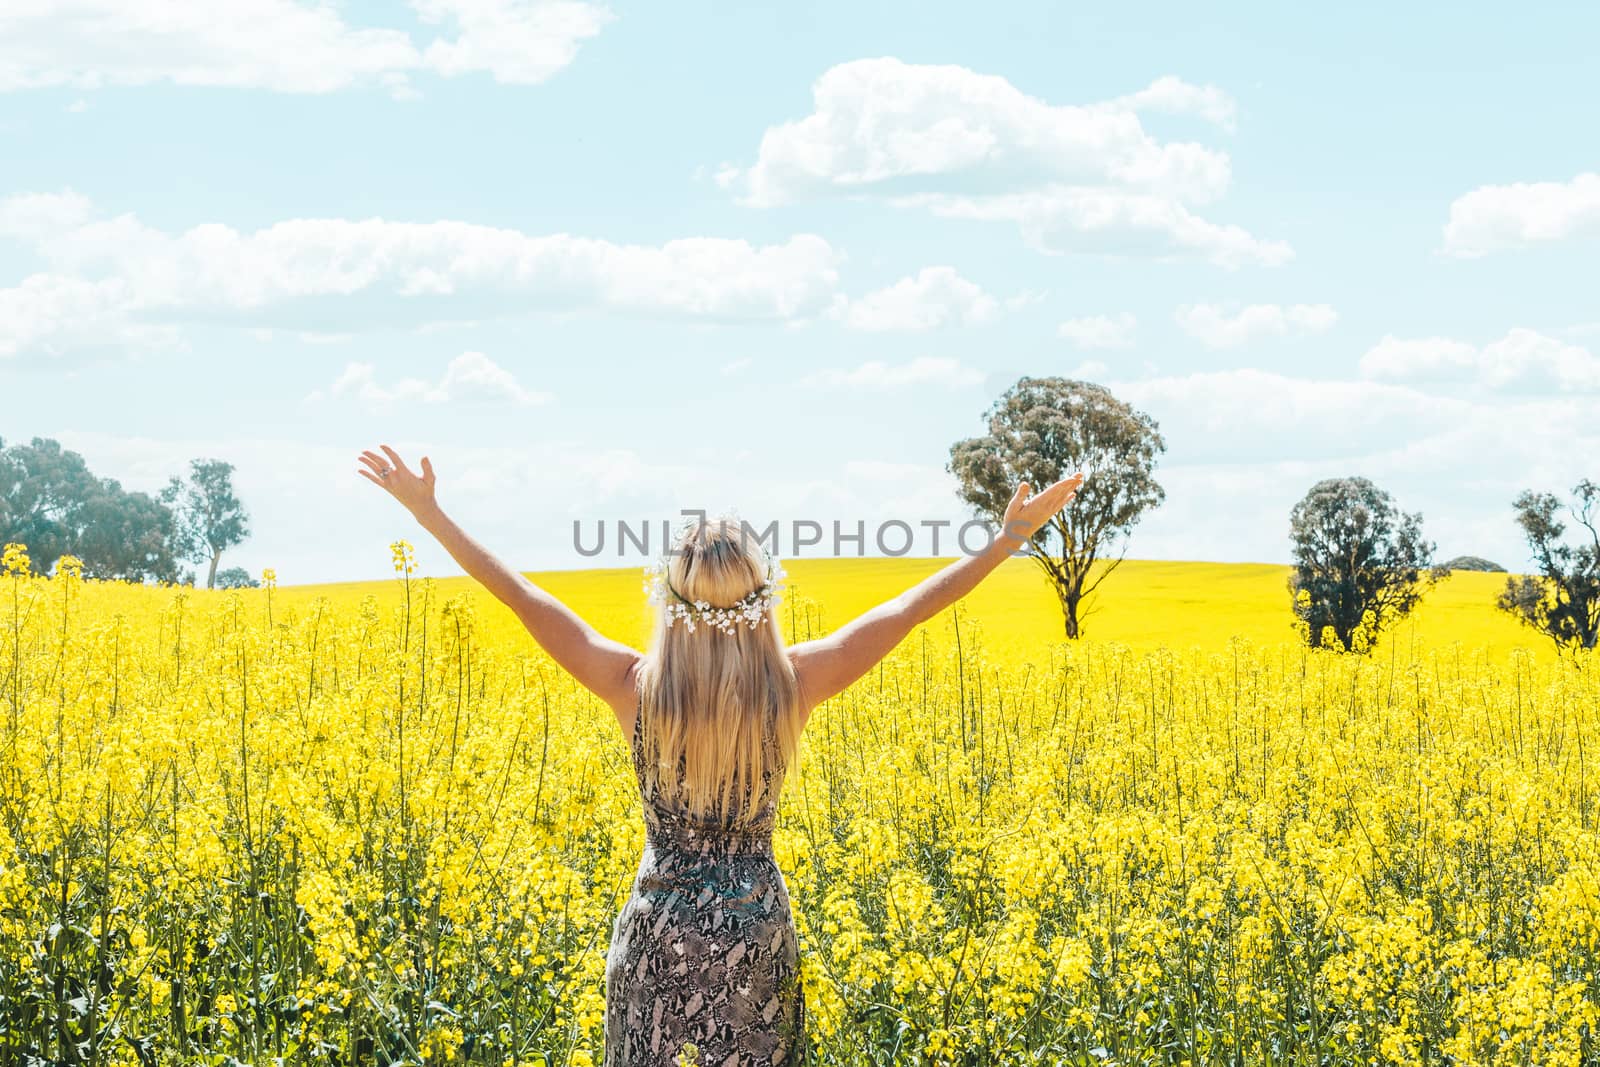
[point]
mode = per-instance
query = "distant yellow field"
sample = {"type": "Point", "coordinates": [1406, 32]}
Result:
{"type": "Point", "coordinates": [1144, 604]}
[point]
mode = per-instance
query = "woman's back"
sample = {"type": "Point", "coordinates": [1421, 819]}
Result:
{"type": "Point", "coordinates": [704, 952]}
{"type": "Point", "coordinates": [670, 823]}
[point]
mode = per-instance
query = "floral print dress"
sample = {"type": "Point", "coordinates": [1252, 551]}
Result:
{"type": "Point", "coordinates": [704, 952]}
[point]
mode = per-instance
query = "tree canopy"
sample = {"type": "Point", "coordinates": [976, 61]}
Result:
{"type": "Point", "coordinates": [51, 502]}
{"type": "Point", "coordinates": [1360, 563]}
{"type": "Point", "coordinates": [236, 578]}
{"type": "Point", "coordinates": [1473, 563]}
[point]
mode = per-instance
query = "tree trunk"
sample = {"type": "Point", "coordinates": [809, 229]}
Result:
{"type": "Point", "coordinates": [211, 579]}
{"type": "Point", "coordinates": [1069, 613]}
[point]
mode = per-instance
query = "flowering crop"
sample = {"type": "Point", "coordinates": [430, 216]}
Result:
{"type": "Point", "coordinates": [373, 823]}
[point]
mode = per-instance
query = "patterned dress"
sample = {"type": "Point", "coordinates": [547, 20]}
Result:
{"type": "Point", "coordinates": [704, 951]}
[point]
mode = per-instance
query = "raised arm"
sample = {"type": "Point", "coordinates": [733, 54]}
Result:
{"type": "Point", "coordinates": [603, 666]}
{"type": "Point", "coordinates": [827, 665]}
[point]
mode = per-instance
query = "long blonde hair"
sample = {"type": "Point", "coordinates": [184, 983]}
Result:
{"type": "Point", "coordinates": [719, 712]}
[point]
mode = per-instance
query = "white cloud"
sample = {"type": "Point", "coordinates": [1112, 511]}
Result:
{"type": "Point", "coordinates": [36, 216]}
{"type": "Point", "coordinates": [514, 40]}
{"type": "Point", "coordinates": [876, 374]}
{"type": "Point", "coordinates": [470, 376]}
{"type": "Point", "coordinates": [1111, 222]}
{"type": "Point", "coordinates": [1417, 358]}
{"type": "Point", "coordinates": [1026, 298]}
{"type": "Point", "coordinates": [474, 375]}
{"type": "Point", "coordinates": [333, 275]}
{"type": "Point", "coordinates": [1100, 331]}
{"type": "Point", "coordinates": [882, 470]}
{"type": "Point", "coordinates": [934, 297]}
{"type": "Point", "coordinates": [1523, 357]}
{"type": "Point", "coordinates": [1244, 412]}
{"type": "Point", "coordinates": [1494, 217]}
{"type": "Point", "coordinates": [877, 120]}
{"type": "Point", "coordinates": [1177, 97]}
{"type": "Point", "coordinates": [737, 366]}
{"type": "Point", "coordinates": [1244, 445]}
{"type": "Point", "coordinates": [291, 46]}
{"type": "Point", "coordinates": [47, 315]}
{"type": "Point", "coordinates": [1215, 326]}
{"type": "Point", "coordinates": [961, 144]}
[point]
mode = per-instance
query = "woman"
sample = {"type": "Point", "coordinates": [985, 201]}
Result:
{"type": "Point", "coordinates": [704, 954]}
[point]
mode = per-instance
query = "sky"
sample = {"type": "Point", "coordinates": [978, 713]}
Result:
{"type": "Point", "coordinates": [603, 263]}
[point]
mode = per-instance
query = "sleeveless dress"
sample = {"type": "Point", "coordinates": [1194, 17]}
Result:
{"type": "Point", "coordinates": [704, 951]}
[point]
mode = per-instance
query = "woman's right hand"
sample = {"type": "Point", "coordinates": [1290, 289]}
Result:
{"type": "Point", "coordinates": [1025, 514]}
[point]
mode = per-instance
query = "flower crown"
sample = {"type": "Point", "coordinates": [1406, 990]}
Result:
{"type": "Point", "coordinates": [749, 609]}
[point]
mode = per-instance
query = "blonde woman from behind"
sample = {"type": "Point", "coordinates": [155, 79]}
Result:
{"type": "Point", "coordinates": [704, 953]}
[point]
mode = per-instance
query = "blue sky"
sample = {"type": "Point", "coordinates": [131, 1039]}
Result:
{"type": "Point", "coordinates": [606, 262]}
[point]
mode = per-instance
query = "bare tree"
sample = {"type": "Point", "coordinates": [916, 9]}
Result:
{"type": "Point", "coordinates": [1043, 429]}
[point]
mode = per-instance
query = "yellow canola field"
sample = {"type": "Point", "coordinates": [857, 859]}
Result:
{"type": "Point", "coordinates": [1146, 604]}
{"type": "Point", "coordinates": [371, 822]}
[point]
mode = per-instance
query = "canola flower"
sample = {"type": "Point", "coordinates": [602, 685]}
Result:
{"type": "Point", "coordinates": [373, 824]}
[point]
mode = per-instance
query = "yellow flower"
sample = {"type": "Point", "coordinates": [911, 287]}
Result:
{"type": "Point", "coordinates": [1001, 848]}
{"type": "Point", "coordinates": [15, 559]}
{"type": "Point", "coordinates": [404, 557]}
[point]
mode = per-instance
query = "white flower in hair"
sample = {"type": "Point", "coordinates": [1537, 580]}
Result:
{"type": "Point", "coordinates": [749, 609]}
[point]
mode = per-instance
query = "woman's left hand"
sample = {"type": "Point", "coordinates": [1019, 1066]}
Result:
{"type": "Point", "coordinates": [412, 490]}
